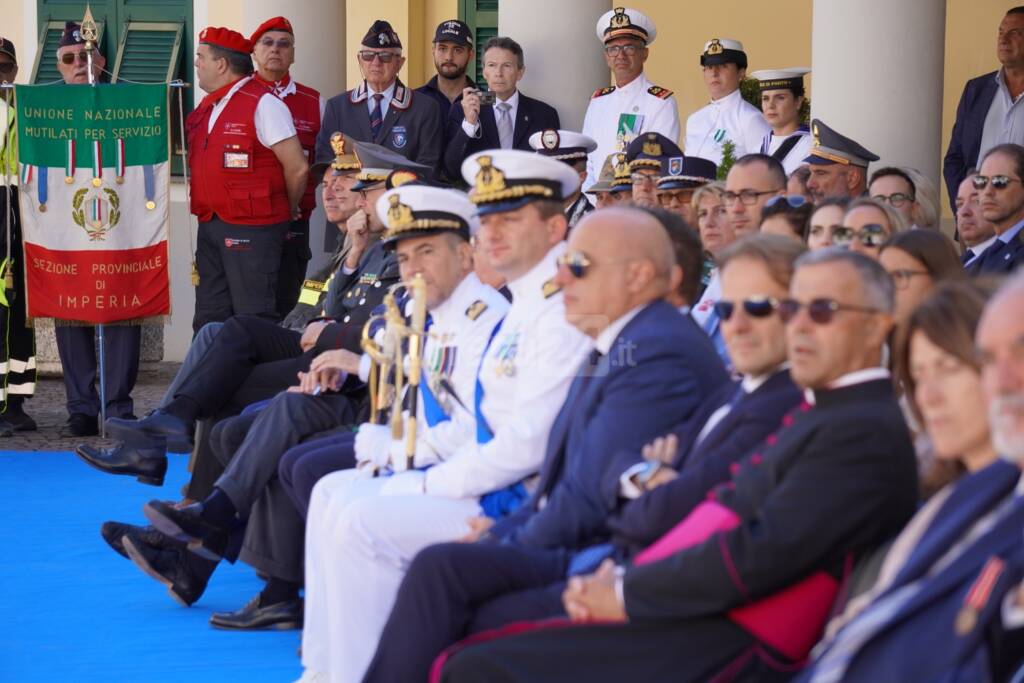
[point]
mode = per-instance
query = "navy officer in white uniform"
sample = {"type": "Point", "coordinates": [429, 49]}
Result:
{"type": "Point", "coordinates": [782, 96]}
{"type": "Point", "coordinates": [728, 116]}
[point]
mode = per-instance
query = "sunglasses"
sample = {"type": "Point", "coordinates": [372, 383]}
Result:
{"type": "Point", "coordinates": [69, 57]}
{"type": "Point", "coordinates": [820, 311]}
{"type": "Point", "coordinates": [795, 201]}
{"type": "Point", "coordinates": [755, 307]}
{"type": "Point", "coordinates": [999, 182]}
{"type": "Point", "coordinates": [280, 43]}
{"type": "Point", "coordinates": [871, 235]}
{"type": "Point", "coordinates": [579, 264]}
{"type": "Point", "coordinates": [369, 55]}
{"type": "Point", "coordinates": [896, 199]}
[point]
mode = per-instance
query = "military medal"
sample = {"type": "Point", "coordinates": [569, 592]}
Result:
{"type": "Point", "coordinates": [44, 189]}
{"type": "Point", "coordinates": [69, 164]}
{"type": "Point", "coordinates": [506, 357]}
{"type": "Point", "coordinates": [195, 275]}
{"type": "Point", "coordinates": [119, 163]}
{"type": "Point", "coordinates": [149, 185]}
{"type": "Point", "coordinates": [97, 164]}
{"type": "Point", "coordinates": [977, 597]}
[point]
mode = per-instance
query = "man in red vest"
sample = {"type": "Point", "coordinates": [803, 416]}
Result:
{"type": "Point", "coordinates": [249, 175]}
{"type": "Point", "coordinates": [273, 51]}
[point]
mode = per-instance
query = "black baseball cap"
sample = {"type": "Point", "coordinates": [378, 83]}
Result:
{"type": "Point", "coordinates": [453, 31]}
{"type": "Point", "coordinates": [7, 48]}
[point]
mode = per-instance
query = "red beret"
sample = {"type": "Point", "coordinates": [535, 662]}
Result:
{"type": "Point", "coordinates": [225, 38]}
{"type": "Point", "coordinates": [275, 24]}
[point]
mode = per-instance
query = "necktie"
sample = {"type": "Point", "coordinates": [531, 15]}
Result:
{"type": "Point", "coordinates": [376, 119]}
{"type": "Point", "coordinates": [966, 258]}
{"type": "Point", "coordinates": [504, 124]}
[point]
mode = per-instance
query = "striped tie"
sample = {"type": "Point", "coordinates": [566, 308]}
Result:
{"type": "Point", "coordinates": [376, 120]}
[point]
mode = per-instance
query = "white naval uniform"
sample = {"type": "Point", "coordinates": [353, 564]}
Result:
{"type": "Point", "coordinates": [730, 118]}
{"type": "Point", "coordinates": [660, 115]}
{"type": "Point", "coordinates": [362, 533]}
{"type": "Point", "coordinates": [794, 159]}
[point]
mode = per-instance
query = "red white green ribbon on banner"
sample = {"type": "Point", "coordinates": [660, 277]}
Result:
{"type": "Point", "coordinates": [69, 164]}
{"type": "Point", "coordinates": [119, 169]}
{"type": "Point", "coordinates": [97, 164]}
{"type": "Point", "coordinates": [26, 174]}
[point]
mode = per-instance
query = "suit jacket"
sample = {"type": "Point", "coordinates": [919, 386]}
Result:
{"type": "Point", "coordinates": [835, 481]}
{"type": "Point", "coordinates": [636, 395]}
{"type": "Point", "coordinates": [924, 640]}
{"type": "Point", "coordinates": [965, 141]}
{"type": "Point", "coordinates": [531, 116]}
{"type": "Point", "coordinates": [412, 126]}
{"type": "Point", "coordinates": [701, 465]}
{"type": "Point", "coordinates": [999, 258]}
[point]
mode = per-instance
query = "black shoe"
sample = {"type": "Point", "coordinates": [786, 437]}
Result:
{"type": "Point", "coordinates": [80, 424]}
{"type": "Point", "coordinates": [148, 465]}
{"type": "Point", "coordinates": [6, 428]}
{"type": "Point", "coordinates": [18, 419]}
{"type": "Point", "coordinates": [280, 616]}
{"type": "Point", "coordinates": [171, 567]}
{"type": "Point", "coordinates": [185, 524]}
{"type": "Point", "coordinates": [154, 427]}
{"type": "Point", "coordinates": [114, 533]}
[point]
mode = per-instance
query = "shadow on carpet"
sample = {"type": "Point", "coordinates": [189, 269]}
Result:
{"type": "Point", "coordinates": [73, 610]}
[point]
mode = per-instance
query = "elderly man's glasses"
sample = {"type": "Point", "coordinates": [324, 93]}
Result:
{"type": "Point", "coordinates": [579, 264]}
{"type": "Point", "coordinates": [871, 235]}
{"type": "Point", "coordinates": [369, 55]}
{"type": "Point", "coordinates": [628, 50]}
{"type": "Point", "coordinates": [643, 178]}
{"type": "Point", "coordinates": [999, 182]}
{"type": "Point", "coordinates": [745, 197]}
{"type": "Point", "coordinates": [669, 197]}
{"type": "Point", "coordinates": [896, 199]}
{"type": "Point", "coordinates": [755, 307]}
{"type": "Point", "coordinates": [820, 311]}
{"type": "Point", "coordinates": [280, 43]}
{"type": "Point", "coordinates": [69, 57]}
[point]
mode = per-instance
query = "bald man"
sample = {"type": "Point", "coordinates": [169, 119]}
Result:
{"type": "Point", "coordinates": [651, 367]}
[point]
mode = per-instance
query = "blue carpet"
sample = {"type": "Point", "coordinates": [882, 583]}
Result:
{"type": "Point", "coordinates": [73, 610]}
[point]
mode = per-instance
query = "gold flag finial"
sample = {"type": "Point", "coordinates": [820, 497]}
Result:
{"type": "Point", "coordinates": [89, 32]}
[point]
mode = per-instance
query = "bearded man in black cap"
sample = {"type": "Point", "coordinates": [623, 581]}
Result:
{"type": "Point", "coordinates": [382, 109]}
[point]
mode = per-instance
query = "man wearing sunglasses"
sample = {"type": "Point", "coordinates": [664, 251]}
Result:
{"type": "Point", "coordinates": [839, 165]}
{"type": "Point", "coordinates": [17, 354]}
{"type": "Point", "coordinates": [740, 573]}
{"type": "Point", "coordinates": [634, 105]}
{"type": "Point", "coordinates": [382, 109]}
{"type": "Point", "coordinates": [72, 62]}
{"type": "Point", "coordinates": [682, 178]}
{"type": "Point", "coordinates": [273, 51]}
{"type": "Point", "coordinates": [1000, 185]}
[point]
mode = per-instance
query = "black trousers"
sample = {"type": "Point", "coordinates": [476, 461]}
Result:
{"type": "Point", "coordinates": [274, 539]}
{"type": "Point", "coordinates": [454, 589]}
{"type": "Point", "coordinates": [76, 347]}
{"type": "Point", "coordinates": [304, 465]}
{"type": "Point", "coordinates": [17, 342]}
{"type": "Point", "coordinates": [295, 255]}
{"type": "Point", "coordinates": [238, 267]}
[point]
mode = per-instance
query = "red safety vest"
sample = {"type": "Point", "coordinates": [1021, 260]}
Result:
{"type": "Point", "coordinates": [233, 175]}
{"type": "Point", "coordinates": [304, 104]}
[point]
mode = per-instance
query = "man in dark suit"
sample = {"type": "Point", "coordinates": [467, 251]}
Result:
{"type": "Point", "coordinates": [744, 583]}
{"type": "Point", "coordinates": [1000, 184]}
{"type": "Point", "coordinates": [460, 588]}
{"type": "Point", "coordinates": [987, 103]}
{"type": "Point", "coordinates": [509, 122]}
{"type": "Point", "coordinates": [381, 109]}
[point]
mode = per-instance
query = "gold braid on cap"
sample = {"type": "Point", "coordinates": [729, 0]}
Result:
{"type": "Point", "coordinates": [490, 185]}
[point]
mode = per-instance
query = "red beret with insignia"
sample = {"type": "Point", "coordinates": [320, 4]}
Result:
{"type": "Point", "coordinates": [275, 24]}
{"type": "Point", "coordinates": [225, 38]}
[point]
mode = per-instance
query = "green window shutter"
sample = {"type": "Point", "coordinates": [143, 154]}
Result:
{"type": "Point", "coordinates": [482, 17]}
{"type": "Point", "coordinates": [45, 68]}
{"type": "Point", "coordinates": [149, 52]}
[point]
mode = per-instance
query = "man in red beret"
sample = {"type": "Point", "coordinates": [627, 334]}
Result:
{"type": "Point", "coordinates": [248, 177]}
{"type": "Point", "coordinates": [381, 109]}
{"type": "Point", "coordinates": [273, 50]}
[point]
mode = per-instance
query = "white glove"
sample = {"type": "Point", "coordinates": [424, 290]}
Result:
{"type": "Point", "coordinates": [372, 444]}
{"type": "Point", "coordinates": [409, 483]}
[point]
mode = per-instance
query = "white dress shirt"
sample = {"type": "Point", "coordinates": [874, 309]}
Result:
{"type": "Point", "coordinates": [730, 118]}
{"type": "Point", "coordinates": [273, 119]}
{"type": "Point", "coordinates": [602, 120]}
{"type": "Point", "coordinates": [1004, 121]}
{"type": "Point", "coordinates": [473, 129]}
{"type": "Point", "coordinates": [385, 101]}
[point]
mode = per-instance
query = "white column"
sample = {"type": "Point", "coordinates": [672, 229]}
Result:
{"type": "Point", "coordinates": [564, 64]}
{"type": "Point", "coordinates": [878, 75]}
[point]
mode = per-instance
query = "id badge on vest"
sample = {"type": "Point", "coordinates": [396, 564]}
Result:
{"type": "Point", "coordinates": [237, 158]}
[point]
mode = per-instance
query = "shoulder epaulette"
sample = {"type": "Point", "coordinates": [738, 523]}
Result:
{"type": "Point", "coordinates": [659, 92]}
{"type": "Point", "coordinates": [550, 289]}
{"type": "Point", "coordinates": [602, 91]}
{"type": "Point", "coordinates": [476, 309]}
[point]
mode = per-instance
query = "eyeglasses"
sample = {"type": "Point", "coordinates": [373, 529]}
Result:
{"type": "Point", "coordinates": [669, 197]}
{"type": "Point", "coordinates": [795, 201]}
{"type": "Point", "coordinates": [643, 178]}
{"type": "Point", "coordinates": [755, 307]}
{"type": "Point", "coordinates": [902, 276]}
{"type": "Point", "coordinates": [999, 182]}
{"type": "Point", "coordinates": [820, 311]}
{"type": "Point", "coordinates": [280, 43]}
{"type": "Point", "coordinates": [746, 197]}
{"type": "Point", "coordinates": [871, 235]}
{"type": "Point", "coordinates": [628, 50]}
{"type": "Point", "coordinates": [69, 57]}
{"type": "Point", "coordinates": [896, 199]}
{"type": "Point", "coordinates": [369, 55]}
